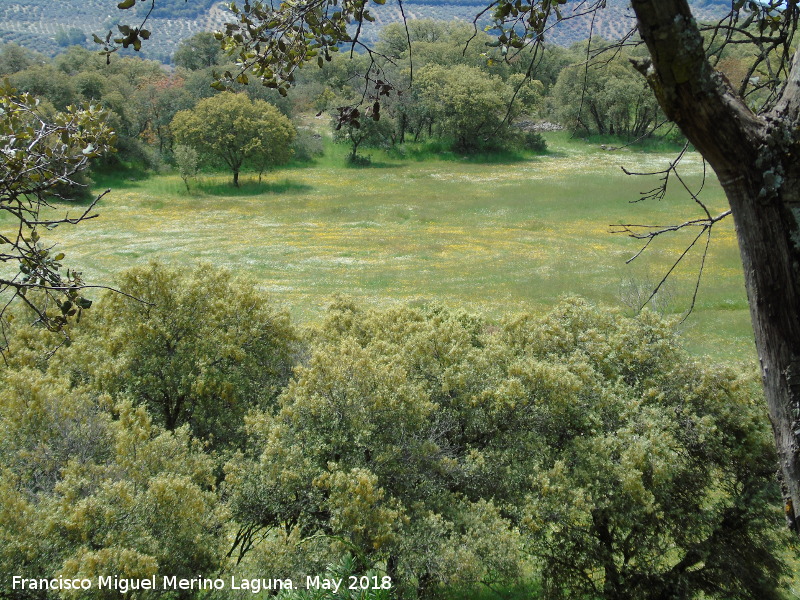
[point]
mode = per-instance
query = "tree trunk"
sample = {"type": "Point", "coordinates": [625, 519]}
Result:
{"type": "Point", "coordinates": [403, 125]}
{"type": "Point", "coordinates": [236, 179]}
{"type": "Point", "coordinates": [754, 159]}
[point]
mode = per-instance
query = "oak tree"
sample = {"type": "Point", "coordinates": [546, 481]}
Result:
{"type": "Point", "coordinates": [451, 450]}
{"type": "Point", "coordinates": [197, 348]}
{"type": "Point", "coordinates": [232, 130]}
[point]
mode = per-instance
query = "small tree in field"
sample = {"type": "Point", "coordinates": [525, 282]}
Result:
{"type": "Point", "coordinates": [188, 162]}
{"type": "Point", "coordinates": [233, 130]}
{"type": "Point", "coordinates": [358, 132]}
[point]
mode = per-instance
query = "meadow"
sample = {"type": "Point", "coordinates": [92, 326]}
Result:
{"type": "Point", "coordinates": [512, 234]}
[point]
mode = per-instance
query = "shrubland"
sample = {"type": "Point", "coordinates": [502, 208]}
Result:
{"type": "Point", "coordinates": [582, 449]}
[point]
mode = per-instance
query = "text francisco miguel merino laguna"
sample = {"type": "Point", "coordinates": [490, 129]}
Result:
{"type": "Point", "coordinates": [124, 585]}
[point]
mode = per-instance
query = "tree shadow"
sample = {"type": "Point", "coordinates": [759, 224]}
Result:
{"type": "Point", "coordinates": [250, 187]}
{"type": "Point", "coordinates": [440, 151]}
{"type": "Point", "coordinates": [373, 164]}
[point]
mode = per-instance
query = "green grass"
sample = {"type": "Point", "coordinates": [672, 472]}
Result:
{"type": "Point", "coordinates": [506, 236]}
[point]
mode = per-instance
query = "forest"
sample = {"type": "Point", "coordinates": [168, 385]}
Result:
{"type": "Point", "coordinates": [183, 433]}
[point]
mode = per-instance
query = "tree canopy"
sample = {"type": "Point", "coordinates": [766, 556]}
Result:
{"type": "Point", "coordinates": [453, 452]}
{"type": "Point", "coordinates": [583, 450]}
{"type": "Point", "coordinates": [197, 359]}
{"type": "Point", "coordinates": [233, 130]}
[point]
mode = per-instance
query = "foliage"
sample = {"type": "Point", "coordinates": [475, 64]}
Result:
{"type": "Point", "coordinates": [43, 154]}
{"type": "Point", "coordinates": [606, 98]}
{"type": "Point", "coordinates": [202, 358]}
{"type": "Point", "coordinates": [355, 453]}
{"type": "Point", "coordinates": [343, 570]}
{"type": "Point", "coordinates": [308, 145]}
{"type": "Point", "coordinates": [156, 101]}
{"type": "Point", "coordinates": [93, 489]}
{"type": "Point", "coordinates": [74, 36]}
{"type": "Point", "coordinates": [427, 441]}
{"type": "Point", "coordinates": [468, 105]}
{"type": "Point", "coordinates": [653, 480]}
{"type": "Point", "coordinates": [366, 130]}
{"type": "Point", "coordinates": [187, 161]}
{"type": "Point", "coordinates": [198, 52]}
{"type": "Point", "coordinates": [14, 58]}
{"type": "Point", "coordinates": [233, 130]}
{"type": "Point", "coordinates": [532, 140]}
{"type": "Point", "coordinates": [45, 81]}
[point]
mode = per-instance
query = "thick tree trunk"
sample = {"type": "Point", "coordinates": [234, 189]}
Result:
{"type": "Point", "coordinates": [755, 160]}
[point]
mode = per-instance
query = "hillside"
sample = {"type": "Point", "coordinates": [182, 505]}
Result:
{"type": "Point", "coordinates": [43, 24]}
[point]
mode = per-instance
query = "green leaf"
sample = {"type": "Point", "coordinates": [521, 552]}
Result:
{"type": "Point", "coordinates": [126, 4]}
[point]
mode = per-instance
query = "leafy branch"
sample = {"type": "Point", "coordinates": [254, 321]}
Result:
{"type": "Point", "coordinates": [41, 155]}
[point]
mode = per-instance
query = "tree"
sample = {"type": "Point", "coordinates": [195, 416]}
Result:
{"type": "Point", "coordinates": [451, 450]}
{"type": "Point", "coordinates": [93, 489]}
{"type": "Point", "coordinates": [468, 104]}
{"type": "Point", "coordinates": [186, 160]}
{"type": "Point", "coordinates": [14, 58]}
{"type": "Point", "coordinates": [366, 130]}
{"type": "Point", "coordinates": [198, 348]}
{"type": "Point", "coordinates": [70, 37]}
{"type": "Point", "coordinates": [158, 100]}
{"type": "Point", "coordinates": [605, 98]}
{"type": "Point", "coordinates": [197, 52]}
{"type": "Point", "coordinates": [45, 81]}
{"type": "Point", "coordinates": [231, 129]}
{"type": "Point", "coordinates": [41, 155]}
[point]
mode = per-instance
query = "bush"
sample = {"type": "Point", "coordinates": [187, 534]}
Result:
{"type": "Point", "coordinates": [197, 347]}
{"type": "Point", "coordinates": [88, 488]}
{"type": "Point", "coordinates": [188, 163]}
{"type": "Point", "coordinates": [307, 145]}
{"type": "Point", "coordinates": [454, 452]}
{"type": "Point", "coordinates": [358, 160]}
{"type": "Point", "coordinates": [531, 140]}
{"type": "Point", "coordinates": [78, 189]}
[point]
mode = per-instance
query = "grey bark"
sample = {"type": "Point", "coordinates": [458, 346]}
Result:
{"type": "Point", "coordinates": [755, 159]}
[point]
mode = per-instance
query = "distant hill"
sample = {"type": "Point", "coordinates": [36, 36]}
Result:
{"type": "Point", "coordinates": [37, 23]}
{"type": "Point", "coordinates": [43, 24]}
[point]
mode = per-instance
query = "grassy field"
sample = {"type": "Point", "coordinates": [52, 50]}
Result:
{"type": "Point", "coordinates": [504, 236]}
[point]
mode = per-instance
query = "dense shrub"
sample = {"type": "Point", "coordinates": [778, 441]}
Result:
{"type": "Point", "coordinates": [196, 347]}
{"type": "Point", "coordinates": [89, 488]}
{"type": "Point", "coordinates": [532, 140]}
{"type": "Point", "coordinates": [452, 452]}
{"type": "Point", "coordinates": [583, 451]}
